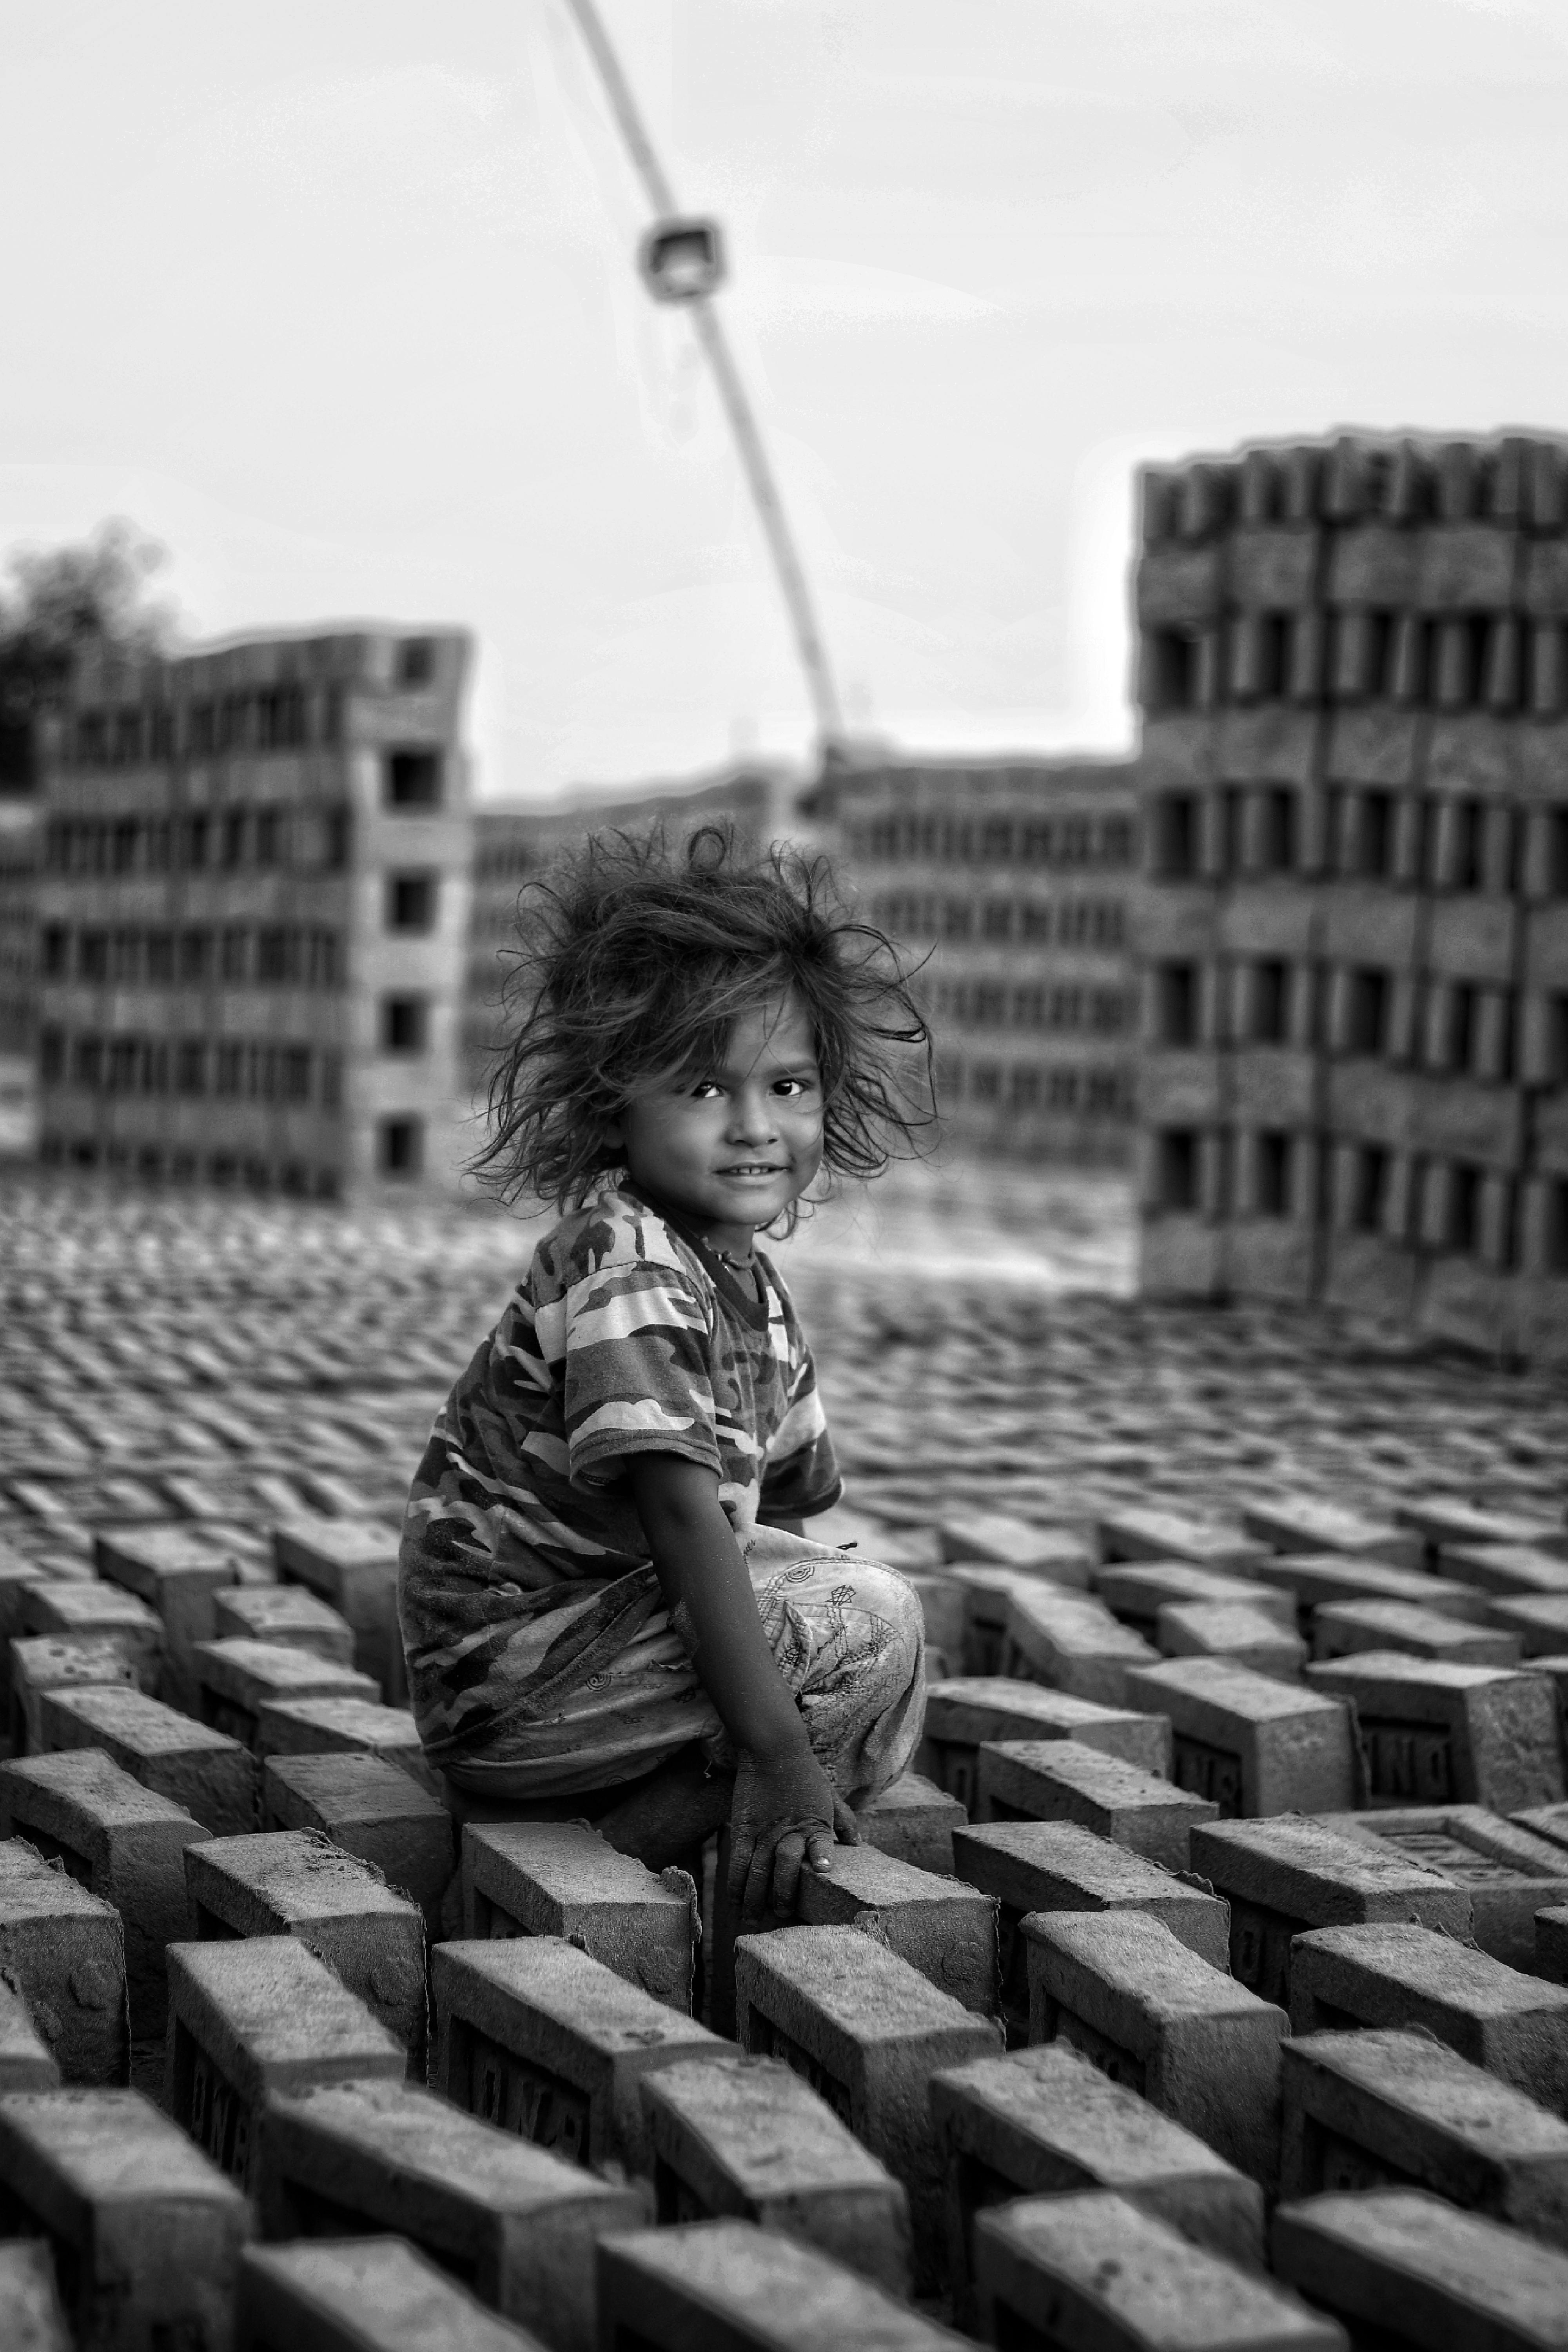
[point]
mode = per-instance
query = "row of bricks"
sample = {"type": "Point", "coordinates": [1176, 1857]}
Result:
{"type": "Point", "coordinates": [1518, 479]}
{"type": "Point", "coordinates": [198, 1582]}
{"type": "Point", "coordinates": [1035, 1764]}
{"type": "Point", "coordinates": [1432, 1726]}
{"type": "Point", "coordinates": [538, 2038]}
{"type": "Point", "coordinates": [1091, 2269]}
{"type": "Point", "coordinates": [1404, 1717]}
{"type": "Point", "coordinates": [1095, 1463]}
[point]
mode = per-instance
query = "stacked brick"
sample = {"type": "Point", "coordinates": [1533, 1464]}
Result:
{"type": "Point", "coordinates": [251, 910]}
{"type": "Point", "coordinates": [1206, 1981]}
{"type": "Point", "coordinates": [1005, 883]}
{"type": "Point", "coordinates": [1353, 677]}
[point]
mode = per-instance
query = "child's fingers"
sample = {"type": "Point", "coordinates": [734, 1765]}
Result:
{"type": "Point", "coordinates": [845, 1828]}
{"type": "Point", "coordinates": [760, 1877]}
{"type": "Point", "coordinates": [743, 1845]}
{"type": "Point", "coordinates": [788, 1855]}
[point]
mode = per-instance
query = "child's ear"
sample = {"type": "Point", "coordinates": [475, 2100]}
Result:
{"type": "Point", "coordinates": [614, 1134]}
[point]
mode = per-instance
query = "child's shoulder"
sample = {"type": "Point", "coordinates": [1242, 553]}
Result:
{"type": "Point", "coordinates": [612, 1233]}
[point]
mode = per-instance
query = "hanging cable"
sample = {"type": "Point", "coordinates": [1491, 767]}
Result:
{"type": "Point", "coordinates": [682, 262]}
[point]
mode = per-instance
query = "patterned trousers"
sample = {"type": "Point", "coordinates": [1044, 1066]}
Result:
{"type": "Point", "coordinates": [850, 1640]}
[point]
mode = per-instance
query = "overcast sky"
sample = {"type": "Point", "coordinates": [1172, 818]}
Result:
{"type": "Point", "coordinates": [338, 302]}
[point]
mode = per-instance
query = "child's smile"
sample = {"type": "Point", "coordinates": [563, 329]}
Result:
{"type": "Point", "coordinates": [734, 1147]}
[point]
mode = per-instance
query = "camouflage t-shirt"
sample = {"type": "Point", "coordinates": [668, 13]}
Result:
{"type": "Point", "coordinates": [521, 1538]}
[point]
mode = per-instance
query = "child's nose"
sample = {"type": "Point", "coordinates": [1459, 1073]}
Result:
{"type": "Point", "coordinates": [752, 1117]}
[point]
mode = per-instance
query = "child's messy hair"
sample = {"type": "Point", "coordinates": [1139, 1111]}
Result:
{"type": "Point", "coordinates": [635, 961]}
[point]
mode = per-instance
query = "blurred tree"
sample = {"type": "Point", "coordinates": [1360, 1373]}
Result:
{"type": "Point", "coordinates": [61, 600]}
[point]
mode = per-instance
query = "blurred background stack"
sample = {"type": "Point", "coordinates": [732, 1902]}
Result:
{"type": "Point", "coordinates": [1353, 780]}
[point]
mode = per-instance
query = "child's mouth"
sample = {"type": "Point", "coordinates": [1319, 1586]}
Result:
{"type": "Point", "coordinates": [753, 1168]}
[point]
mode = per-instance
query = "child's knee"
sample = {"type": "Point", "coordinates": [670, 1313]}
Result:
{"type": "Point", "coordinates": [894, 1603]}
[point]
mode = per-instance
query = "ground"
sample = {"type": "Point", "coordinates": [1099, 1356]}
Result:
{"type": "Point", "coordinates": [976, 1327]}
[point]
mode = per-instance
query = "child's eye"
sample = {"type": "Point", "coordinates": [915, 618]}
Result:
{"type": "Point", "coordinates": [793, 1085]}
{"type": "Point", "coordinates": [706, 1087]}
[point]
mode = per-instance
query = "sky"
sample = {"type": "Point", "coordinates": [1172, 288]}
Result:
{"type": "Point", "coordinates": [339, 303]}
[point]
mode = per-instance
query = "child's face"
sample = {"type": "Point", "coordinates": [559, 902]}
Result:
{"type": "Point", "coordinates": [736, 1146]}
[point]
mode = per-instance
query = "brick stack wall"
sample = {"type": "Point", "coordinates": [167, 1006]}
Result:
{"type": "Point", "coordinates": [1353, 930]}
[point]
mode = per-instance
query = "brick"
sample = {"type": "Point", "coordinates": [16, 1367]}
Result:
{"type": "Point", "coordinates": [1315, 1578]}
{"type": "Point", "coordinates": [1508, 2023]}
{"type": "Point", "coordinates": [371, 1809]}
{"type": "Point", "coordinates": [362, 2295]}
{"type": "Point", "coordinates": [89, 1609]}
{"type": "Point", "coordinates": [1508, 1571]}
{"type": "Point", "coordinates": [1150, 2014]}
{"type": "Point", "coordinates": [212, 1777]}
{"type": "Point", "coordinates": [26, 2062]}
{"type": "Point", "coordinates": [1284, 1876]}
{"type": "Point", "coordinates": [352, 1566]}
{"type": "Point", "coordinates": [1551, 1943]}
{"type": "Point", "coordinates": [866, 2031]}
{"type": "Point", "coordinates": [251, 2016]}
{"type": "Point", "coordinates": [30, 2299]}
{"type": "Point", "coordinates": [177, 1571]}
{"type": "Point", "coordinates": [122, 1841]}
{"type": "Point", "coordinates": [945, 1612]}
{"type": "Point", "coordinates": [1445, 1524]}
{"type": "Point", "coordinates": [1399, 2265]}
{"type": "Point", "coordinates": [345, 2160]}
{"type": "Point", "coordinates": [41, 1662]}
{"type": "Point", "coordinates": [296, 1883]}
{"type": "Point", "coordinates": [1554, 1666]}
{"type": "Point", "coordinates": [1071, 1642]}
{"type": "Point", "coordinates": [534, 2035]}
{"type": "Point", "coordinates": [1547, 1821]}
{"type": "Point", "coordinates": [559, 1878]}
{"type": "Point", "coordinates": [235, 1678]}
{"type": "Point", "coordinates": [946, 1930]}
{"type": "Point", "coordinates": [728, 2284]}
{"type": "Point", "coordinates": [1538, 1621]}
{"type": "Point", "coordinates": [962, 1714]}
{"type": "Point", "coordinates": [1095, 2270]}
{"type": "Point", "coordinates": [971, 1536]}
{"type": "Point", "coordinates": [1152, 1534]}
{"type": "Point", "coordinates": [1507, 1873]}
{"type": "Point", "coordinates": [287, 1614]}
{"type": "Point", "coordinates": [988, 1591]}
{"type": "Point", "coordinates": [747, 2140]}
{"type": "Point", "coordinates": [18, 1576]}
{"type": "Point", "coordinates": [1046, 2122]}
{"type": "Point", "coordinates": [1308, 1523]}
{"type": "Point", "coordinates": [1344, 1629]}
{"type": "Point", "coordinates": [914, 1822]}
{"type": "Point", "coordinates": [1377, 2109]}
{"type": "Point", "coordinates": [1250, 1745]}
{"type": "Point", "coordinates": [1236, 1630]}
{"type": "Point", "coordinates": [1060, 1866]}
{"type": "Point", "coordinates": [331, 1725]}
{"type": "Point", "coordinates": [62, 1948]}
{"type": "Point", "coordinates": [1060, 1780]}
{"type": "Point", "coordinates": [1137, 1590]}
{"type": "Point", "coordinates": [1434, 1734]}
{"type": "Point", "coordinates": [147, 2235]}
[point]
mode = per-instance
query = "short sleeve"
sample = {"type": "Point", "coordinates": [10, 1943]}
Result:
{"type": "Point", "coordinates": [801, 1475]}
{"type": "Point", "coordinates": [636, 1375]}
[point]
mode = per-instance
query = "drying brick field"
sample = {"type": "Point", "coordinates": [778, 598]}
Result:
{"type": "Point", "coordinates": [1204, 1986]}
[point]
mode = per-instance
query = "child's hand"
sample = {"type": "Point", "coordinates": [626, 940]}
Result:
{"type": "Point", "coordinates": [782, 1816]}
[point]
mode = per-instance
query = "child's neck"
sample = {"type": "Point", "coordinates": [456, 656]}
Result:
{"type": "Point", "coordinates": [734, 1244]}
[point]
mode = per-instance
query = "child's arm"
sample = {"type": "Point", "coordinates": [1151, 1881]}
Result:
{"type": "Point", "coordinates": [782, 1810]}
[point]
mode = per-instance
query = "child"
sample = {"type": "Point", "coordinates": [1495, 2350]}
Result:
{"type": "Point", "coordinates": [608, 1606]}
